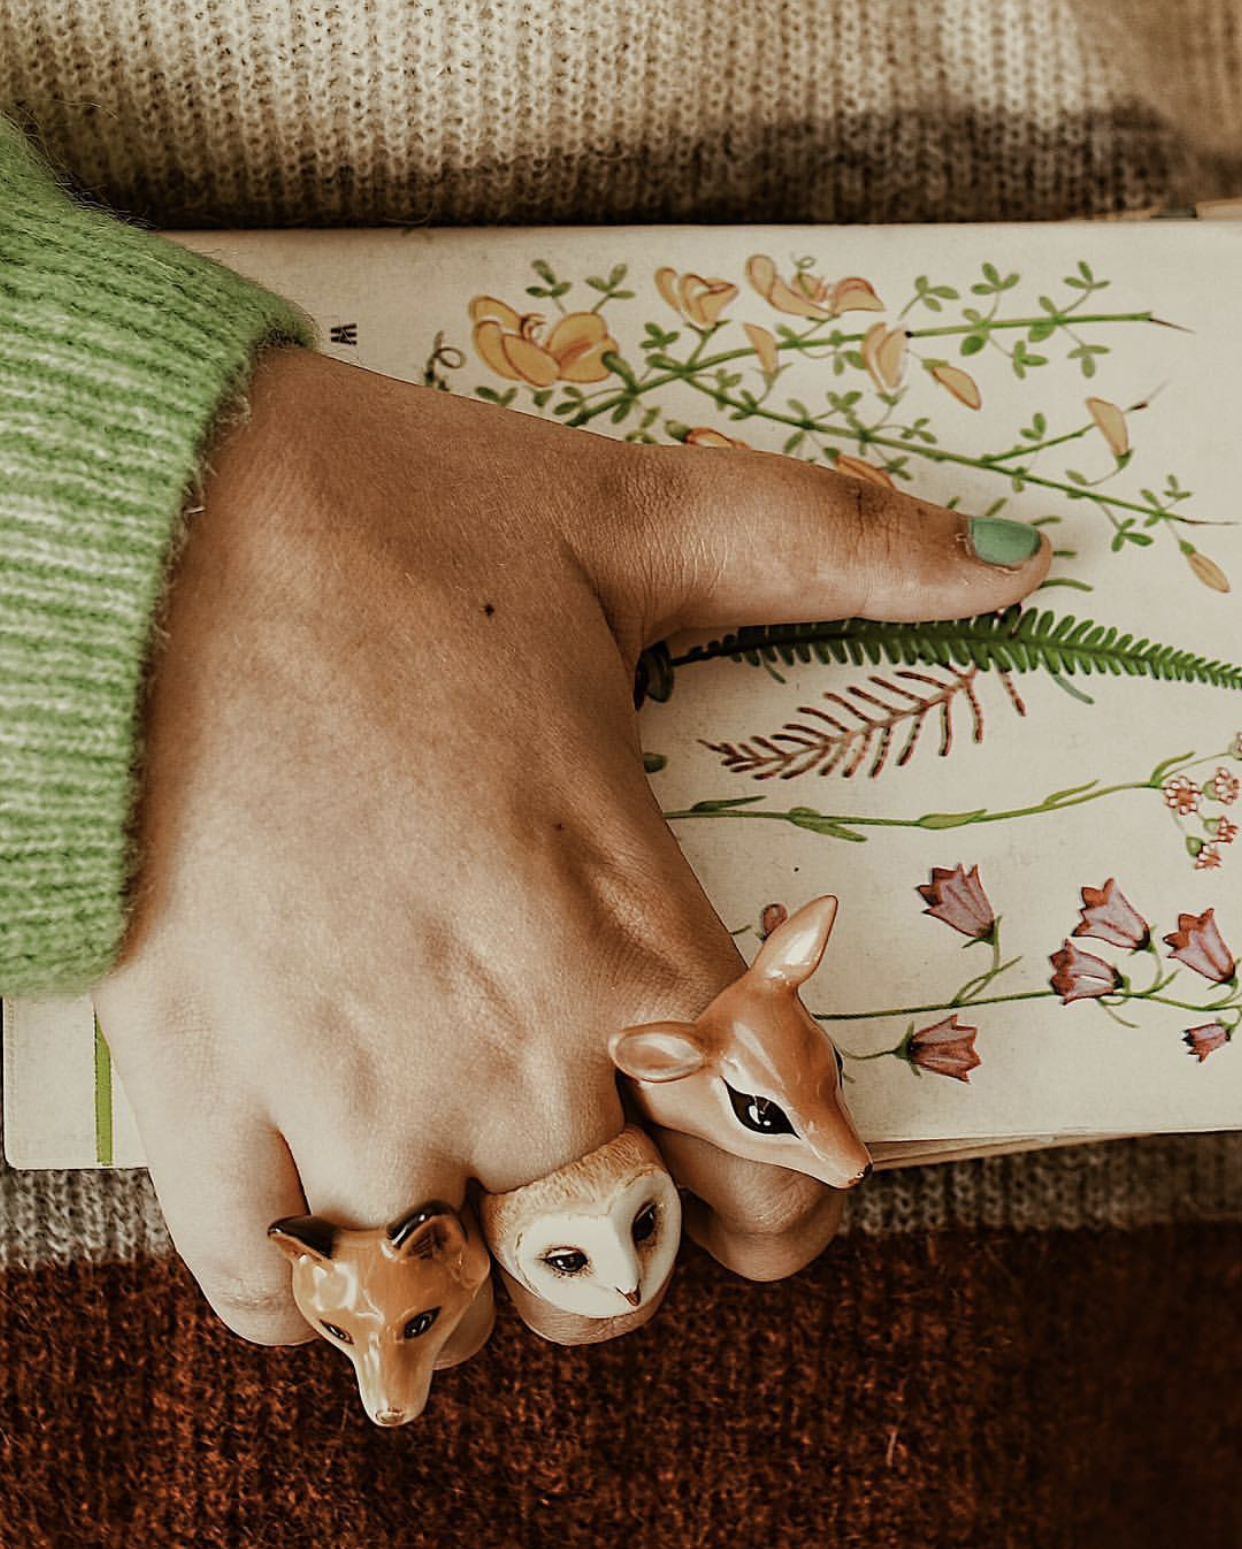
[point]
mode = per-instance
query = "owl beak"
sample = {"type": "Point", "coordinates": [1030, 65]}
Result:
{"type": "Point", "coordinates": [633, 1297]}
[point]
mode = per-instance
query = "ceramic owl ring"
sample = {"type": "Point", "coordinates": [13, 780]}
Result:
{"type": "Point", "coordinates": [597, 1238]}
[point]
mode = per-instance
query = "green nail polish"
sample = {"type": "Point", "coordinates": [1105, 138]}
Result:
{"type": "Point", "coordinates": [998, 542]}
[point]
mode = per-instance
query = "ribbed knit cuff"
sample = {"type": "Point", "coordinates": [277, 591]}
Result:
{"type": "Point", "coordinates": [119, 352]}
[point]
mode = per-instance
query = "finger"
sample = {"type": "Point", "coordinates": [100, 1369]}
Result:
{"type": "Point", "coordinates": [706, 538]}
{"type": "Point", "coordinates": [219, 1189]}
{"type": "Point", "coordinates": [761, 1222]}
{"type": "Point", "coordinates": [588, 1250]}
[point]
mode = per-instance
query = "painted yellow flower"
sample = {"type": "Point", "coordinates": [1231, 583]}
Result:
{"type": "Point", "coordinates": [704, 435]}
{"type": "Point", "coordinates": [1112, 425]}
{"type": "Point", "coordinates": [884, 355]}
{"type": "Point", "coordinates": [1205, 569]}
{"type": "Point", "coordinates": [763, 344]}
{"type": "Point", "coordinates": [509, 343]}
{"type": "Point", "coordinates": [960, 383]}
{"type": "Point", "coordinates": [858, 469]}
{"type": "Point", "coordinates": [809, 295]}
{"type": "Point", "coordinates": [698, 300]}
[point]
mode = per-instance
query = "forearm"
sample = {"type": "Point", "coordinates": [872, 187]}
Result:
{"type": "Point", "coordinates": [120, 356]}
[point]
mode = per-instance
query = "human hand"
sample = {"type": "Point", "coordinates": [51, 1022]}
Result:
{"type": "Point", "coordinates": [402, 872]}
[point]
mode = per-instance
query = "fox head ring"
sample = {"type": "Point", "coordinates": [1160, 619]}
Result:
{"type": "Point", "coordinates": [755, 1074]}
{"type": "Point", "coordinates": [401, 1301]}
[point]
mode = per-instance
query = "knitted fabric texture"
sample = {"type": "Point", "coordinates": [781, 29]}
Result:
{"type": "Point", "coordinates": [118, 350]}
{"type": "Point", "coordinates": [295, 112]}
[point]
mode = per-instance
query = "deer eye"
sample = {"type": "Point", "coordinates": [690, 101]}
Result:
{"type": "Point", "coordinates": [567, 1261]}
{"type": "Point", "coordinates": [760, 1114]}
{"type": "Point", "coordinates": [337, 1333]}
{"type": "Point", "coordinates": [420, 1323]}
{"type": "Point", "coordinates": [644, 1223]}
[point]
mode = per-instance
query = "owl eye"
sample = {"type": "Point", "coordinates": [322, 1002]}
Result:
{"type": "Point", "coordinates": [337, 1333]}
{"type": "Point", "coordinates": [644, 1223]}
{"type": "Point", "coordinates": [420, 1323]}
{"type": "Point", "coordinates": [566, 1261]}
{"type": "Point", "coordinates": [760, 1114]}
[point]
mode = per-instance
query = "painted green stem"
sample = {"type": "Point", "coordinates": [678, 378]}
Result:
{"type": "Point", "coordinates": [854, 820]}
{"type": "Point", "coordinates": [996, 1000]}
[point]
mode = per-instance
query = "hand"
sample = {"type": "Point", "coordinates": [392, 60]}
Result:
{"type": "Point", "coordinates": [401, 871]}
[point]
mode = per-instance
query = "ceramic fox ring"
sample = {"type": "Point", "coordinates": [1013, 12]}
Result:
{"type": "Point", "coordinates": [401, 1301]}
{"type": "Point", "coordinates": [597, 1238]}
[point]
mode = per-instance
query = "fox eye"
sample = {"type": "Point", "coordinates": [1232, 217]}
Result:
{"type": "Point", "coordinates": [566, 1261]}
{"type": "Point", "coordinates": [337, 1333]}
{"type": "Point", "coordinates": [760, 1114]}
{"type": "Point", "coordinates": [836, 1054]}
{"type": "Point", "coordinates": [421, 1322]}
{"type": "Point", "coordinates": [644, 1223]}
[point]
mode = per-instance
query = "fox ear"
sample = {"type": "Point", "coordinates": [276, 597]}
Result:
{"type": "Point", "coordinates": [792, 953]}
{"type": "Point", "coordinates": [658, 1051]}
{"type": "Point", "coordinates": [297, 1236]}
{"type": "Point", "coordinates": [426, 1232]}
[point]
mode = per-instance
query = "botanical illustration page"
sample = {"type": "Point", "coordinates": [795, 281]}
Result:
{"type": "Point", "coordinates": [1031, 819]}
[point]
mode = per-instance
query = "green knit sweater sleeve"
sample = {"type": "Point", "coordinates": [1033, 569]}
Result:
{"type": "Point", "coordinates": [118, 352]}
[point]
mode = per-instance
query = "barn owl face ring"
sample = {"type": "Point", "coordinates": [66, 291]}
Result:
{"type": "Point", "coordinates": [598, 1237]}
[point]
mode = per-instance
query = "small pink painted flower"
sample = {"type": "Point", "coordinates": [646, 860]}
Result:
{"type": "Point", "coordinates": [1225, 831]}
{"type": "Point", "coordinates": [948, 1049]}
{"type": "Point", "coordinates": [1182, 794]}
{"type": "Point", "coordinates": [1209, 858]}
{"type": "Point", "coordinates": [957, 898]}
{"type": "Point", "coordinates": [1202, 1040]}
{"type": "Point", "coordinates": [1198, 944]}
{"type": "Point", "coordinates": [1223, 787]}
{"type": "Point", "coordinates": [1109, 915]}
{"type": "Point", "coordinates": [1080, 975]}
{"type": "Point", "coordinates": [772, 916]}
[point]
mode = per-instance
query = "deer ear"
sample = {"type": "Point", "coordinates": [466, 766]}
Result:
{"type": "Point", "coordinates": [792, 953]}
{"type": "Point", "coordinates": [658, 1051]}
{"type": "Point", "coordinates": [297, 1236]}
{"type": "Point", "coordinates": [427, 1231]}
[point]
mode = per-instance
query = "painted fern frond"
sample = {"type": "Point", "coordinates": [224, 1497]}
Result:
{"type": "Point", "coordinates": [863, 721]}
{"type": "Point", "coordinates": [1015, 640]}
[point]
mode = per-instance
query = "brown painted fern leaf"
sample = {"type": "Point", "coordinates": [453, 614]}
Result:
{"type": "Point", "coordinates": [864, 721]}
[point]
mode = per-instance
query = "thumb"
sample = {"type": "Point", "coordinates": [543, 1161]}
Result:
{"type": "Point", "coordinates": [736, 537]}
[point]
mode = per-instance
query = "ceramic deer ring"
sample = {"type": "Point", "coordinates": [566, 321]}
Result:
{"type": "Point", "coordinates": [597, 1239]}
{"type": "Point", "coordinates": [401, 1301]}
{"type": "Point", "coordinates": [755, 1074]}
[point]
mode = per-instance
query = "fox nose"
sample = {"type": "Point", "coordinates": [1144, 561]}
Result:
{"type": "Point", "coordinates": [390, 1417]}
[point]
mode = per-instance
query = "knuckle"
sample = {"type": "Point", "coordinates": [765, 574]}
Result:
{"type": "Point", "coordinates": [261, 1312]}
{"type": "Point", "coordinates": [782, 1206]}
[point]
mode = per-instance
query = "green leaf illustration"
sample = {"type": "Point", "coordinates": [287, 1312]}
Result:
{"type": "Point", "coordinates": [1015, 640]}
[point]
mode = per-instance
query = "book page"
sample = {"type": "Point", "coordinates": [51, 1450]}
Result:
{"type": "Point", "coordinates": [1029, 819]}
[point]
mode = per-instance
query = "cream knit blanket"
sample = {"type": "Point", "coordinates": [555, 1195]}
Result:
{"type": "Point", "coordinates": [199, 113]}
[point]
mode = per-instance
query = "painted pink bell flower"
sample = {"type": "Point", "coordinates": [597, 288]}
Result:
{"type": "Point", "coordinates": [1209, 858]}
{"type": "Point", "coordinates": [772, 916]}
{"type": "Point", "coordinates": [1225, 831]}
{"type": "Point", "coordinates": [1197, 943]}
{"type": "Point", "coordinates": [957, 897]}
{"type": "Point", "coordinates": [1200, 1041]}
{"type": "Point", "coordinates": [1080, 975]}
{"type": "Point", "coordinates": [1109, 915]}
{"type": "Point", "coordinates": [947, 1048]}
{"type": "Point", "coordinates": [1224, 786]}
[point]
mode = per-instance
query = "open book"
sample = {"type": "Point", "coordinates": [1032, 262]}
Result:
{"type": "Point", "coordinates": [1031, 819]}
